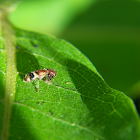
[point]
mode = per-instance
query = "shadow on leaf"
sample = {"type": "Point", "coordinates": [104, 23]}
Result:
{"type": "Point", "coordinates": [26, 62]}
{"type": "Point", "coordinates": [2, 85]}
{"type": "Point", "coordinates": [88, 83]}
{"type": "Point", "coordinates": [20, 127]}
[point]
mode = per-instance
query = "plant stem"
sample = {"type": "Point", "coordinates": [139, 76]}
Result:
{"type": "Point", "coordinates": [11, 72]}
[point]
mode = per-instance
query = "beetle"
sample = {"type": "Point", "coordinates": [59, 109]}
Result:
{"type": "Point", "coordinates": [39, 74]}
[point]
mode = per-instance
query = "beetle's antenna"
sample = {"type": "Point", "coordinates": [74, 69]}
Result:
{"type": "Point", "coordinates": [56, 81]}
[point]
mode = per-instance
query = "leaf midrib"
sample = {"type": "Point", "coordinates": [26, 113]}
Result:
{"type": "Point", "coordinates": [11, 72]}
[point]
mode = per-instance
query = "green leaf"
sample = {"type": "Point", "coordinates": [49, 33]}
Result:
{"type": "Point", "coordinates": [80, 107]}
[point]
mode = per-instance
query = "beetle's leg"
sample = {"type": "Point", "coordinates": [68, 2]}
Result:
{"type": "Point", "coordinates": [37, 85]}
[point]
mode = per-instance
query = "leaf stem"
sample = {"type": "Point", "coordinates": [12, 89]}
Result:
{"type": "Point", "coordinates": [10, 83]}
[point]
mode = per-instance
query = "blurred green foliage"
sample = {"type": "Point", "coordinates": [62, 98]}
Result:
{"type": "Point", "coordinates": [107, 32]}
{"type": "Point", "coordinates": [47, 15]}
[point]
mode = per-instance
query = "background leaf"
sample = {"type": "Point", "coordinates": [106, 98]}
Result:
{"type": "Point", "coordinates": [80, 106]}
{"type": "Point", "coordinates": [48, 16]}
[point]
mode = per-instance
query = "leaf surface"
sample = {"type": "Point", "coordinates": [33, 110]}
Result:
{"type": "Point", "coordinates": [81, 106]}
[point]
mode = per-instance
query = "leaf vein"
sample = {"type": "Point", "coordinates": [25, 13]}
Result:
{"type": "Point", "coordinates": [60, 120]}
